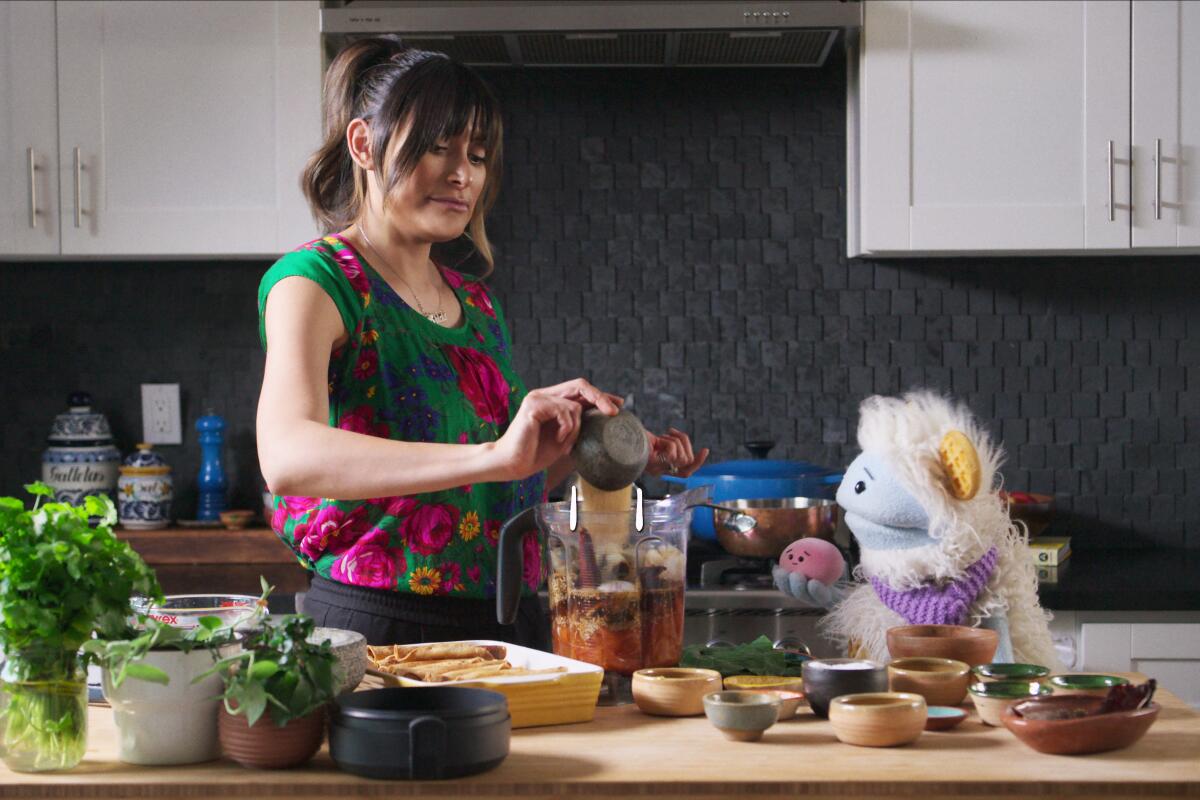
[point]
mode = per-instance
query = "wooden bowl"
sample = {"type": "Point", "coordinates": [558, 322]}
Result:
{"type": "Point", "coordinates": [959, 642]}
{"type": "Point", "coordinates": [1088, 685]}
{"type": "Point", "coordinates": [878, 719]}
{"type": "Point", "coordinates": [941, 681]}
{"type": "Point", "coordinates": [1095, 733]}
{"type": "Point", "coordinates": [236, 519]}
{"type": "Point", "coordinates": [674, 691]}
{"type": "Point", "coordinates": [778, 683]}
{"type": "Point", "coordinates": [991, 699]}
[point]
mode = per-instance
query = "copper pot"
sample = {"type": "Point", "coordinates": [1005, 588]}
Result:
{"type": "Point", "coordinates": [778, 523]}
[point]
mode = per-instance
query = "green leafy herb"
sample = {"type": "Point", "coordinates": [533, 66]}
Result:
{"type": "Point", "coordinates": [280, 670]}
{"type": "Point", "coordinates": [758, 657]}
{"type": "Point", "coordinates": [60, 577]}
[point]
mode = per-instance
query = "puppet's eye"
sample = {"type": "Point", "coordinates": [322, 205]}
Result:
{"type": "Point", "coordinates": [860, 487]}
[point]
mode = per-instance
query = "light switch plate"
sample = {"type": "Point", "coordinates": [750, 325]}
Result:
{"type": "Point", "coordinates": [160, 414]}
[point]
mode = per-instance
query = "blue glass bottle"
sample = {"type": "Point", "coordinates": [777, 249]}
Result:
{"type": "Point", "coordinates": [211, 484]}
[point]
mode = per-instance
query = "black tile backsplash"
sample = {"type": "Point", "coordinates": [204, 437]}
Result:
{"type": "Point", "coordinates": [679, 236]}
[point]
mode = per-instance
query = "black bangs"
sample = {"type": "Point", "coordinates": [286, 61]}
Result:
{"type": "Point", "coordinates": [442, 99]}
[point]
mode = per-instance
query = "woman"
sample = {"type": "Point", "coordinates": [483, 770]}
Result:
{"type": "Point", "coordinates": [391, 426]}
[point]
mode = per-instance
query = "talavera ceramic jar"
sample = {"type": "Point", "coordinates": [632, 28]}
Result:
{"type": "Point", "coordinates": [81, 459]}
{"type": "Point", "coordinates": [145, 490]}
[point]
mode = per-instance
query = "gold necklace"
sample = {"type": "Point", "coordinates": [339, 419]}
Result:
{"type": "Point", "coordinates": [438, 316]}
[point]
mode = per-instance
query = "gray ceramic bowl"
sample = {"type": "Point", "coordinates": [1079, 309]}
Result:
{"type": "Point", "coordinates": [742, 716]}
{"type": "Point", "coordinates": [350, 648]}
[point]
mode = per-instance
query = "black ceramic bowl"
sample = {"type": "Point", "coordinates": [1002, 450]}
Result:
{"type": "Point", "coordinates": [419, 733]}
{"type": "Point", "coordinates": [827, 678]}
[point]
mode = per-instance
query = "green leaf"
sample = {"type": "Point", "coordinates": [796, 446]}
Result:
{"type": "Point", "coordinates": [39, 489]}
{"type": "Point", "coordinates": [209, 623]}
{"type": "Point", "coordinates": [146, 672]}
{"type": "Point", "coordinates": [263, 670]}
{"type": "Point", "coordinates": [252, 701]}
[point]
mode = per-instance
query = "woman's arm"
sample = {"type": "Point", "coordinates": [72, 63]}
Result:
{"type": "Point", "coordinates": [299, 453]}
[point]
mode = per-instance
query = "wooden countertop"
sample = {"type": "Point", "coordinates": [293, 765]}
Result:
{"type": "Point", "coordinates": [623, 754]}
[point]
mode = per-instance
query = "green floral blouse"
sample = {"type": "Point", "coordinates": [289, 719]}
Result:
{"type": "Point", "coordinates": [401, 376]}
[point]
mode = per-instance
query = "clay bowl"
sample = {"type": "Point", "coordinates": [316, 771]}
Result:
{"type": "Point", "coordinates": [959, 642]}
{"type": "Point", "coordinates": [742, 716]}
{"type": "Point", "coordinates": [1095, 733]}
{"type": "Point", "coordinates": [827, 678]}
{"type": "Point", "coordinates": [789, 702]}
{"type": "Point", "coordinates": [778, 683]}
{"type": "Point", "coordinates": [986, 673]}
{"type": "Point", "coordinates": [943, 718]}
{"type": "Point", "coordinates": [878, 719]}
{"type": "Point", "coordinates": [674, 691]}
{"type": "Point", "coordinates": [1085, 685]}
{"type": "Point", "coordinates": [991, 699]}
{"type": "Point", "coordinates": [941, 681]}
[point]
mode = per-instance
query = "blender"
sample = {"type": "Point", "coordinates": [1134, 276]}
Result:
{"type": "Point", "coordinates": [616, 563]}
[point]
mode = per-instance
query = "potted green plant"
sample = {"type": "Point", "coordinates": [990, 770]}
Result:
{"type": "Point", "coordinates": [275, 694]}
{"type": "Point", "coordinates": [161, 687]}
{"type": "Point", "coordinates": [61, 578]}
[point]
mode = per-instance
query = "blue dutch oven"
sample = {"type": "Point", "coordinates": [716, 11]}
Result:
{"type": "Point", "coordinates": [756, 479]}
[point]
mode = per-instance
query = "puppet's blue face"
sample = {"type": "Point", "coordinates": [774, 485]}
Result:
{"type": "Point", "coordinates": [880, 512]}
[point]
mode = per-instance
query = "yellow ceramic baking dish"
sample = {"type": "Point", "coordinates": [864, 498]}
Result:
{"type": "Point", "coordinates": [554, 699]}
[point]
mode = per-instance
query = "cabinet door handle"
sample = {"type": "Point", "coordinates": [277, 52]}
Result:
{"type": "Point", "coordinates": [33, 209]}
{"type": "Point", "coordinates": [1111, 212]}
{"type": "Point", "coordinates": [79, 168]}
{"type": "Point", "coordinates": [1158, 178]}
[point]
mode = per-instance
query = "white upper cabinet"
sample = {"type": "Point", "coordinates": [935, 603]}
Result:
{"type": "Point", "coordinates": [993, 126]}
{"type": "Point", "coordinates": [1166, 123]}
{"type": "Point", "coordinates": [183, 126]}
{"type": "Point", "coordinates": [157, 128]}
{"type": "Point", "coordinates": [28, 129]}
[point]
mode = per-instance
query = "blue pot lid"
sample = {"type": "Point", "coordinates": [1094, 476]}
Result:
{"type": "Point", "coordinates": [761, 468]}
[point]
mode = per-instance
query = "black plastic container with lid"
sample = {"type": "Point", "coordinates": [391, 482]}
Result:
{"type": "Point", "coordinates": [419, 733]}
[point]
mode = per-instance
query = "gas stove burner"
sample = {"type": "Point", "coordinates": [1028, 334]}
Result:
{"type": "Point", "coordinates": [739, 574]}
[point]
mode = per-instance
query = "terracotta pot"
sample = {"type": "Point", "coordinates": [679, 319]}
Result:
{"type": "Point", "coordinates": [265, 745]}
{"type": "Point", "coordinates": [973, 646]}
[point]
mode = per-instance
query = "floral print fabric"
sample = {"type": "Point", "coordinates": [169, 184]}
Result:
{"type": "Point", "coordinates": [401, 376]}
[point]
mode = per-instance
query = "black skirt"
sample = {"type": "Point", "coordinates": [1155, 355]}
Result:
{"type": "Point", "coordinates": [387, 617]}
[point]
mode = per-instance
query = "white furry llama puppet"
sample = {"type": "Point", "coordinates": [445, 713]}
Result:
{"type": "Point", "coordinates": [936, 540]}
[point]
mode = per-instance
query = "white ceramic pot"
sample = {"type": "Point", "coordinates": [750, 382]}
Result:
{"type": "Point", "coordinates": [144, 490]}
{"type": "Point", "coordinates": [172, 724]}
{"type": "Point", "coordinates": [81, 459]}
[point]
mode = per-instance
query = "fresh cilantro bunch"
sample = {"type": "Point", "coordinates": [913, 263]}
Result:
{"type": "Point", "coordinates": [279, 669]}
{"type": "Point", "coordinates": [61, 578]}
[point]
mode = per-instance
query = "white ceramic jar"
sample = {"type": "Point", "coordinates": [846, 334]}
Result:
{"type": "Point", "coordinates": [145, 490]}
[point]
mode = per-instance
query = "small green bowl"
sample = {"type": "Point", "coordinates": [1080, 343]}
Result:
{"type": "Point", "coordinates": [991, 699]}
{"type": "Point", "coordinates": [1009, 672]}
{"type": "Point", "coordinates": [1096, 685]}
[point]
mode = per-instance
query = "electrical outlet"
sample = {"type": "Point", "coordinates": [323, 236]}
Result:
{"type": "Point", "coordinates": [160, 414]}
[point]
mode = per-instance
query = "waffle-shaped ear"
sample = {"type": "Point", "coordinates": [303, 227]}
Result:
{"type": "Point", "coordinates": [960, 463]}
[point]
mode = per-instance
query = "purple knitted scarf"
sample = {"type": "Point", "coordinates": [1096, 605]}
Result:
{"type": "Point", "coordinates": [939, 605]}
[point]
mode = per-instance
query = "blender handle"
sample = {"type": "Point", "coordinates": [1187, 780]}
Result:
{"type": "Point", "coordinates": [510, 564]}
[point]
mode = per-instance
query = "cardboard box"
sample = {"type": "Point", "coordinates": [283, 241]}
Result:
{"type": "Point", "coordinates": [1050, 551]}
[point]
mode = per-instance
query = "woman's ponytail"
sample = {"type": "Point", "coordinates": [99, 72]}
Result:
{"type": "Point", "coordinates": [330, 181]}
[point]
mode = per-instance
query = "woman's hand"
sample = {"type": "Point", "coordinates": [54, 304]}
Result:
{"type": "Point", "coordinates": [672, 453]}
{"type": "Point", "coordinates": [546, 427]}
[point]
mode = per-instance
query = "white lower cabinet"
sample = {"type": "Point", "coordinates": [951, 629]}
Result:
{"type": "Point", "coordinates": [1161, 645]}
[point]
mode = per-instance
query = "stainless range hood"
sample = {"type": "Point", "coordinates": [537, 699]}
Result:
{"type": "Point", "coordinates": [596, 33]}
